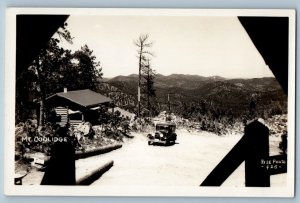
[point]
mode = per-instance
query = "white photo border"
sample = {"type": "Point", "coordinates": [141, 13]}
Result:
{"type": "Point", "coordinates": [9, 103]}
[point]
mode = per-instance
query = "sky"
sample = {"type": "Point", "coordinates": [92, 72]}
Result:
{"type": "Point", "coordinates": [194, 45]}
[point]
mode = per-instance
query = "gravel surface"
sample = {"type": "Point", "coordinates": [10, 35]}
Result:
{"type": "Point", "coordinates": [187, 163]}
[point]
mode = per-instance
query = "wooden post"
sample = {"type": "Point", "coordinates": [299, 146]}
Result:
{"type": "Point", "coordinates": [60, 169]}
{"type": "Point", "coordinates": [252, 148]}
{"type": "Point", "coordinates": [257, 136]}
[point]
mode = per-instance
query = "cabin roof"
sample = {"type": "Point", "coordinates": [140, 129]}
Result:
{"type": "Point", "coordinates": [84, 98]}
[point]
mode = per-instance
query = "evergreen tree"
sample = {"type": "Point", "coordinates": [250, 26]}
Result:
{"type": "Point", "coordinates": [53, 69]}
{"type": "Point", "coordinates": [148, 84]}
{"type": "Point", "coordinates": [87, 68]}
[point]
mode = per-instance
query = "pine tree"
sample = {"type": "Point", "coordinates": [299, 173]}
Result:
{"type": "Point", "coordinates": [148, 84]}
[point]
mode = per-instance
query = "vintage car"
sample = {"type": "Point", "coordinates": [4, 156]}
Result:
{"type": "Point", "coordinates": [164, 134]}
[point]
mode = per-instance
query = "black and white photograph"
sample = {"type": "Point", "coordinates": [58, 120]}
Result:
{"type": "Point", "coordinates": [150, 102]}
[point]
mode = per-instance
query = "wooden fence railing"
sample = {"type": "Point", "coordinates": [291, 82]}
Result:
{"type": "Point", "coordinates": [253, 148]}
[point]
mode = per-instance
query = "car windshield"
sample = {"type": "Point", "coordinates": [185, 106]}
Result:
{"type": "Point", "coordinates": [168, 128]}
{"type": "Point", "coordinates": [162, 127]}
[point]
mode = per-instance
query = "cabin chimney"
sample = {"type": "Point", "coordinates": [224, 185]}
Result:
{"type": "Point", "coordinates": [65, 90]}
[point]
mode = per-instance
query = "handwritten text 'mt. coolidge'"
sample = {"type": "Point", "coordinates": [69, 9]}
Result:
{"type": "Point", "coordinates": [44, 139]}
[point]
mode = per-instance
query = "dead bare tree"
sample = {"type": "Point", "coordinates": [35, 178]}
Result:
{"type": "Point", "coordinates": [143, 51]}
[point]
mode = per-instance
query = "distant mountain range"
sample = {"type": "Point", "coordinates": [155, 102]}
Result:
{"type": "Point", "coordinates": [189, 90]}
{"type": "Point", "coordinates": [174, 80]}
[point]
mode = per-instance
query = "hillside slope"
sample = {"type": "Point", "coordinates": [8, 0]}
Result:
{"type": "Point", "coordinates": [197, 93]}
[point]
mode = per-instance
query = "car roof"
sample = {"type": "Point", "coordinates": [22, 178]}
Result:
{"type": "Point", "coordinates": [166, 123]}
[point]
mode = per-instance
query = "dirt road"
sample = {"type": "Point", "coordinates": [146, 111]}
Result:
{"type": "Point", "coordinates": [187, 163]}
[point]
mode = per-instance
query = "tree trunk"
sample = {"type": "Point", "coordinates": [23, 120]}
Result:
{"type": "Point", "coordinates": [139, 85]}
{"type": "Point", "coordinates": [41, 118]}
{"type": "Point", "coordinates": [148, 91]}
{"type": "Point", "coordinates": [42, 93]}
